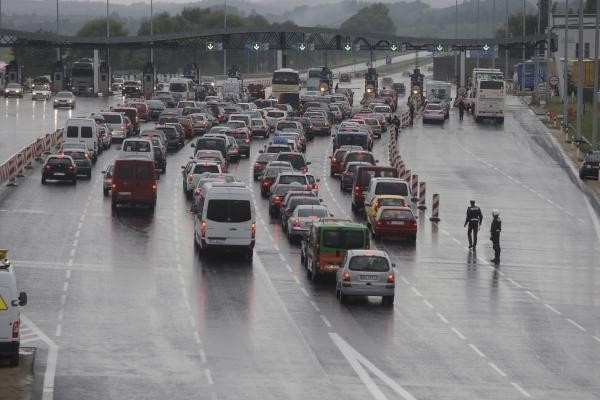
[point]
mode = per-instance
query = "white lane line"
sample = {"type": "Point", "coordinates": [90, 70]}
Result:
{"type": "Point", "coordinates": [596, 338]}
{"type": "Point", "coordinates": [192, 322]}
{"type": "Point", "coordinates": [554, 310]}
{"type": "Point", "coordinates": [48, 386]}
{"type": "Point", "coordinates": [181, 280]}
{"type": "Point", "coordinates": [458, 333]}
{"type": "Point", "coordinates": [79, 226]}
{"type": "Point", "coordinates": [416, 291]}
{"type": "Point", "coordinates": [197, 337]}
{"type": "Point", "coordinates": [58, 330]}
{"type": "Point", "coordinates": [476, 350]}
{"type": "Point", "coordinates": [315, 306]}
{"type": "Point", "coordinates": [28, 340]}
{"type": "Point", "coordinates": [275, 245]}
{"type": "Point", "coordinates": [404, 279]}
{"type": "Point", "coordinates": [521, 390]}
{"type": "Point", "coordinates": [202, 356]}
{"type": "Point", "coordinates": [63, 299]}
{"type": "Point", "coordinates": [184, 292]}
{"type": "Point", "coordinates": [497, 369]}
{"type": "Point", "coordinates": [325, 321]}
{"type": "Point", "coordinates": [441, 316]}
{"type": "Point", "coordinates": [70, 262]}
{"type": "Point", "coordinates": [72, 253]}
{"type": "Point", "coordinates": [65, 286]}
{"type": "Point", "coordinates": [456, 240]}
{"type": "Point", "coordinates": [282, 257]}
{"type": "Point", "coordinates": [208, 375]}
{"type": "Point", "coordinates": [77, 233]}
{"type": "Point", "coordinates": [26, 335]}
{"type": "Point", "coordinates": [514, 283]}
{"type": "Point", "coordinates": [428, 304]}
{"type": "Point", "coordinates": [287, 266]}
{"type": "Point", "coordinates": [68, 274]}
{"type": "Point", "coordinates": [61, 315]}
{"type": "Point", "coordinates": [575, 324]}
{"type": "Point", "coordinates": [533, 296]}
{"type": "Point", "coordinates": [304, 291]}
{"type": "Point", "coordinates": [296, 279]}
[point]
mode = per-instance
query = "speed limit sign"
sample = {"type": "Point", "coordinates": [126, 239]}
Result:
{"type": "Point", "coordinates": [553, 80]}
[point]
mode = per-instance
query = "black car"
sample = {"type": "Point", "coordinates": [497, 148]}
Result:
{"type": "Point", "coordinates": [590, 167]}
{"type": "Point", "coordinates": [160, 159]}
{"type": "Point", "coordinates": [60, 168]}
{"type": "Point", "coordinates": [132, 89]}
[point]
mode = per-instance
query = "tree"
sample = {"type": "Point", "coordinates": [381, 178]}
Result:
{"type": "Point", "coordinates": [373, 18]}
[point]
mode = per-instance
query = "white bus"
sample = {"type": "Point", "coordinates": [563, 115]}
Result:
{"type": "Point", "coordinates": [182, 89]}
{"type": "Point", "coordinates": [487, 94]}
{"type": "Point", "coordinates": [285, 80]}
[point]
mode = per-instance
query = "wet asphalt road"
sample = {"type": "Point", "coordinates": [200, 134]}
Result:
{"type": "Point", "coordinates": [136, 315]}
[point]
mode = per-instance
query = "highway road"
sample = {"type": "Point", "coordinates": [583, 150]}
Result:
{"type": "Point", "coordinates": [134, 314]}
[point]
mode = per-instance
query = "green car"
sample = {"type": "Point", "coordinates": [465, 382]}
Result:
{"type": "Point", "coordinates": [82, 160]}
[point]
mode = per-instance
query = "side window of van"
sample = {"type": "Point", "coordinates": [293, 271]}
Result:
{"type": "Point", "coordinates": [72, 131]}
{"type": "Point", "coordinates": [143, 172]}
{"type": "Point", "coordinates": [86, 132]}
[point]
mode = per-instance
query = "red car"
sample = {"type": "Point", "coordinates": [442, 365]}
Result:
{"type": "Point", "coordinates": [394, 221]}
{"type": "Point", "coordinates": [335, 163]}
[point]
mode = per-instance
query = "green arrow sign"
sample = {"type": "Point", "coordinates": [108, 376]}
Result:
{"type": "Point", "coordinates": [393, 47]}
{"type": "Point", "coordinates": [210, 46]}
{"type": "Point", "coordinates": [348, 46]}
{"type": "Point", "coordinates": [256, 46]}
{"type": "Point", "coordinates": [301, 47]}
{"type": "Point", "coordinates": [486, 47]}
{"type": "Point", "coordinates": [440, 47]}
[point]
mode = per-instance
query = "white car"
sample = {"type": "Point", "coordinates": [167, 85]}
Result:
{"type": "Point", "coordinates": [192, 172]}
{"type": "Point", "coordinates": [64, 99]}
{"type": "Point", "coordinates": [434, 112]}
{"type": "Point", "coordinates": [299, 224]}
{"type": "Point", "coordinates": [366, 273]}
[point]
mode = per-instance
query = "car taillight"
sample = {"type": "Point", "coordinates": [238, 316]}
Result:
{"type": "Point", "coordinates": [247, 141]}
{"type": "Point", "coordinates": [114, 186]}
{"type": "Point", "coordinates": [15, 329]}
{"type": "Point", "coordinates": [413, 224]}
{"type": "Point", "coordinates": [391, 278]}
{"type": "Point", "coordinates": [257, 165]}
{"type": "Point", "coordinates": [346, 277]}
{"type": "Point", "coordinates": [315, 186]}
{"type": "Point", "coordinates": [277, 200]}
{"type": "Point", "coordinates": [253, 229]}
{"type": "Point", "coordinates": [154, 187]}
{"type": "Point", "coordinates": [48, 167]}
{"type": "Point", "coordinates": [203, 228]}
{"type": "Point", "coordinates": [71, 168]}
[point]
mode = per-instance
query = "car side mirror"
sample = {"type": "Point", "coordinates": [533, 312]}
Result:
{"type": "Point", "coordinates": [308, 162]}
{"type": "Point", "coordinates": [22, 299]}
{"type": "Point", "coordinates": [183, 166]}
{"type": "Point", "coordinates": [193, 145]}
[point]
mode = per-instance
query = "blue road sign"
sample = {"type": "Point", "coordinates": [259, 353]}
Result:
{"type": "Point", "coordinates": [388, 60]}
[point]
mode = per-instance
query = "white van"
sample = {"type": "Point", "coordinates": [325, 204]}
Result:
{"type": "Point", "coordinates": [390, 186]}
{"type": "Point", "coordinates": [10, 302]}
{"type": "Point", "coordinates": [225, 219]}
{"type": "Point", "coordinates": [82, 130]}
{"type": "Point", "coordinates": [138, 147]}
{"type": "Point", "coordinates": [182, 89]}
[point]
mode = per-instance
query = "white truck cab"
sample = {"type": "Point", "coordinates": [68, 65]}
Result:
{"type": "Point", "coordinates": [11, 301]}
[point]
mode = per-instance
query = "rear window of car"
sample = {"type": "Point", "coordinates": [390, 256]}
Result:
{"type": "Point", "coordinates": [210, 144]}
{"type": "Point", "coordinates": [369, 263]}
{"type": "Point", "coordinates": [393, 188]}
{"type": "Point", "coordinates": [283, 125]}
{"type": "Point", "coordinates": [72, 131]}
{"type": "Point", "coordinates": [75, 155]}
{"type": "Point", "coordinates": [296, 201]}
{"type": "Point", "coordinates": [113, 118]}
{"type": "Point", "coordinates": [592, 158]}
{"type": "Point", "coordinates": [312, 212]}
{"type": "Point", "coordinates": [344, 239]}
{"type": "Point", "coordinates": [391, 202]}
{"type": "Point", "coordinates": [396, 214]}
{"type": "Point", "coordinates": [233, 211]}
{"type": "Point", "coordinates": [137, 145]}
{"type": "Point", "coordinates": [59, 161]}
{"type": "Point", "coordinates": [275, 114]}
{"type": "Point", "coordinates": [351, 139]}
{"type": "Point", "coordinates": [366, 157]}
{"type": "Point", "coordinates": [201, 168]}
{"type": "Point", "coordinates": [296, 160]}
{"type": "Point", "coordinates": [287, 179]}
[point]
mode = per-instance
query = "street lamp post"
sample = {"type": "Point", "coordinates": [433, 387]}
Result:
{"type": "Point", "coordinates": [58, 56]}
{"type": "Point", "coordinates": [566, 68]}
{"type": "Point", "coordinates": [580, 72]}
{"type": "Point", "coordinates": [524, 10]}
{"type": "Point", "coordinates": [494, 30]}
{"type": "Point", "coordinates": [456, 74]}
{"type": "Point", "coordinates": [477, 34]}
{"type": "Point", "coordinates": [597, 65]}
{"type": "Point", "coordinates": [107, 34]}
{"type": "Point", "coordinates": [151, 33]}
{"type": "Point", "coordinates": [224, 49]}
{"type": "Point", "coordinates": [506, 48]}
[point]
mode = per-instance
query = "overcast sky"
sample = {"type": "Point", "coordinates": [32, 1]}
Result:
{"type": "Point", "coordinates": [433, 3]}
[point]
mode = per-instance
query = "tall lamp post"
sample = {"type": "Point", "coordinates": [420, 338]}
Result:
{"type": "Point", "coordinates": [477, 34]}
{"type": "Point", "coordinates": [151, 33]}
{"type": "Point", "coordinates": [524, 10]}
{"type": "Point", "coordinates": [597, 65]}
{"type": "Point", "coordinates": [456, 74]}
{"type": "Point", "coordinates": [580, 72]}
{"type": "Point", "coordinates": [566, 68]}
{"type": "Point", "coordinates": [224, 49]}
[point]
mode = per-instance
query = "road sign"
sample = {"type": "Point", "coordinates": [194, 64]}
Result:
{"type": "Point", "coordinates": [348, 46]}
{"type": "Point", "coordinates": [256, 46]}
{"type": "Point", "coordinates": [301, 46]}
{"type": "Point", "coordinates": [486, 47]}
{"type": "Point", "coordinates": [388, 60]}
{"type": "Point", "coordinates": [481, 53]}
{"type": "Point", "coordinates": [394, 47]}
{"type": "Point", "coordinates": [440, 48]}
{"type": "Point", "coordinates": [554, 80]}
{"type": "Point", "coordinates": [210, 46]}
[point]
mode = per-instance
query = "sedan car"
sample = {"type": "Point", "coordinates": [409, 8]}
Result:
{"type": "Point", "coordinates": [13, 90]}
{"type": "Point", "coordinates": [301, 220]}
{"type": "Point", "coordinates": [434, 112]}
{"type": "Point", "coordinates": [393, 221]}
{"type": "Point", "coordinates": [59, 167]}
{"type": "Point", "coordinates": [590, 167]}
{"type": "Point", "coordinates": [347, 177]}
{"type": "Point", "coordinates": [107, 181]}
{"type": "Point", "coordinates": [366, 273]}
{"type": "Point", "coordinates": [64, 99]}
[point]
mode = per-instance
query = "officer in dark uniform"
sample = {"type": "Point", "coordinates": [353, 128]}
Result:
{"type": "Point", "coordinates": [495, 229]}
{"type": "Point", "coordinates": [473, 219]}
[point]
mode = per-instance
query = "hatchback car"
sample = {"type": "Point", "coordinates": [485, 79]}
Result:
{"type": "Point", "coordinates": [299, 223]}
{"type": "Point", "coordinates": [296, 159]}
{"type": "Point", "coordinates": [366, 273]}
{"type": "Point", "coordinates": [393, 221]}
{"type": "Point", "coordinates": [590, 167]}
{"type": "Point", "coordinates": [434, 112]}
{"type": "Point", "coordinates": [59, 167]}
{"type": "Point", "coordinates": [261, 163]}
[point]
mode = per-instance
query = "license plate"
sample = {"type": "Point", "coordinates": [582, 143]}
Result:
{"type": "Point", "coordinates": [397, 222]}
{"type": "Point", "coordinates": [59, 174]}
{"type": "Point", "coordinates": [216, 240]}
{"type": "Point", "coordinates": [125, 193]}
{"type": "Point", "coordinates": [368, 277]}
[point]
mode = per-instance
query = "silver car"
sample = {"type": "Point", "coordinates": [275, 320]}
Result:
{"type": "Point", "coordinates": [302, 218]}
{"type": "Point", "coordinates": [64, 99]}
{"type": "Point", "coordinates": [366, 273]}
{"type": "Point", "coordinates": [434, 112]}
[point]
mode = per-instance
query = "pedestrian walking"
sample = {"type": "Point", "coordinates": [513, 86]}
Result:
{"type": "Point", "coordinates": [473, 220]}
{"type": "Point", "coordinates": [336, 87]}
{"type": "Point", "coordinates": [495, 230]}
{"type": "Point", "coordinates": [461, 109]}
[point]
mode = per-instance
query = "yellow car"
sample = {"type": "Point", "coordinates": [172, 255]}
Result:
{"type": "Point", "coordinates": [383, 200]}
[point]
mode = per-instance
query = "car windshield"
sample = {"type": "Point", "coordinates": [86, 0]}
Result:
{"type": "Point", "coordinates": [344, 239]}
{"type": "Point", "coordinates": [369, 264]}
{"type": "Point", "coordinates": [594, 157]}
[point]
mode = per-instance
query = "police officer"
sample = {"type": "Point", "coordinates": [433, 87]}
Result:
{"type": "Point", "coordinates": [473, 219]}
{"type": "Point", "coordinates": [461, 109]}
{"type": "Point", "coordinates": [495, 229]}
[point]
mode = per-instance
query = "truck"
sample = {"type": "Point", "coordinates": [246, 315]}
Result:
{"type": "Point", "coordinates": [319, 79]}
{"type": "Point", "coordinates": [438, 90]}
{"type": "Point", "coordinates": [232, 89]}
{"type": "Point", "coordinates": [82, 77]}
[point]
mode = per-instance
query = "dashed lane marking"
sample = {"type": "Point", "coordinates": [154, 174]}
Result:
{"type": "Point", "coordinates": [575, 324]}
{"type": "Point", "coordinates": [554, 310]}
{"type": "Point", "coordinates": [497, 369]}
{"type": "Point", "coordinates": [520, 389]}
{"type": "Point", "coordinates": [326, 321]}
{"type": "Point", "coordinates": [458, 333]}
{"type": "Point", "coordinates": [441, 316]}
{"type": "Point", "coordinates": [476, 350]}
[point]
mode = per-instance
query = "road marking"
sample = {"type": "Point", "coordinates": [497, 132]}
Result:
{"type": "Point", "coordinates": [63, 299]}
{"type": "Point", "coordinates": [428, 304]}
{"type": "Point", "coordinates": [312, 303]}
{"type": "Point", "coordinates": [77, 233]}
{"type": "Point", "coordinates": [514, 283]}
{"type": "Point", "coordinates": [458, 333]}
{"type": "Point", "coordinates": [79, 226]}
{"type": "Point", "coordinates": [58, 330]}
{"type": "Point", "coordinates": [575, 324]}
{"type": "Point", "coordinates": [208, 375]}
{"type": "Point", "coordinates": [61, 315]}
{"type": "Point", "coordinates": [554, 310]}
{"type": "Point", "coordinates": [533, 296]}
{"type": "Point", "coordinates": [325, 321]}
{"type": "Point", "coordinates": [416, 291]}
{"type": "Point", "coordinates": [497, 369]}
{"type": "Point", "coordinates": [282, 257]}
{"type": "Point", "coordinates": [197, 337]}
{"type": "Point", "coordinates": [444, 320]}
{"type": "Point", "coordinates": [520, 389]}
{"type": "Point", "coordinates": [48, 385]}
{"type": "Point", "coordinates": [456, 241]}
{"type": "Point", "coordinates": [404, 279]}
{"type": "Point", "coordinates": [593, 217]}
{"type": "Point", "coordinates": [287, 266]}
{"type": "Point", "coordinates": [65, 286]}
{"type": "Point", "coordinates": [476, 350]}
{"type": "Point", "coordinates": [202, 356]}
{"type": "Point", "coordinates": [72, 253]}
{"type": "Point", "coordinates": [68, 274]}
{"type": "Point", "coordinates": [296, 279]}
{"type": "Point", "coordinates": [358, 362]}
{"type": "Point", "coordinates": [596, 338]}
{"type": "Point", "coordinates": [303, 290]}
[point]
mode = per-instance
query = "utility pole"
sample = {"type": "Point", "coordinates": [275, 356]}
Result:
{"type": "Point", "coordinates": [224, 49]}
{"type": "Point", "coordinates": [477, 34]}
{"type": "Point", "coordinates": [456, 73]}
{"type": "Point", "coordinates": [597, 65]}
{"type": "Point", "coordinates": [58, 55]}
{"type": "Point", "coordinates": [580, 72]}
{"type": "Point", "coordinates": [524, 10]}
{"type": "Point", "coordinates": [506, 48]}
{"type": "Point", "coordinates": [151, 33]}
{"type": "Point", "coordinates": [566, 69]}
{"type": "Point", "coordinates": [536, 71]}
{"type": "Point", "coordinates": [548, 50]}
{"type": "Point", "coordinates": [494, 31]}
{"type": "Point", "coordinates": [107, 35]}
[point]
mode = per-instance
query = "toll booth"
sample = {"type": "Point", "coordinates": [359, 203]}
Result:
{"type": "Point", "coordinates": [371, 81]}
{"type": "Point", "coordinates": [104, 84]}
{"type": "Point", "coordinates": [58, 77]}
{"type": "Point", "coordinates": [13, 72]}
{"type": "Point", "coordinates": [148, 80]}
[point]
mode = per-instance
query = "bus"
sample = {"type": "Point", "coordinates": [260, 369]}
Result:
{"type": "Point", "coordinates": [285, 80]}
{"type": "Point", "coordinates": [82, 77]}
{"type": "Point", "coordinates": [319, 79]}
{"type": "Point", "coordinates": [487, 94]}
